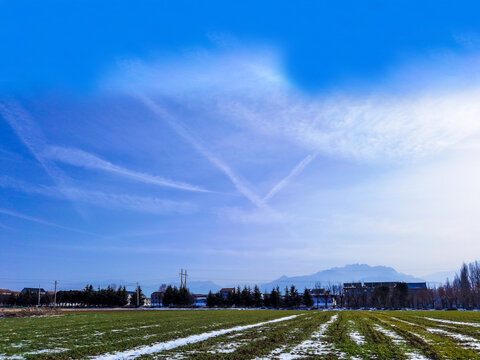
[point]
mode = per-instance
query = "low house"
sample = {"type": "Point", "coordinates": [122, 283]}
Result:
{"type": "Point", "coordinates": [156, 298]}
{"type": "Point", "coordinates": [415, 287]}
{"type": "Point", "coordinates": [370, 286]}
{"type": "Point", "coordinates": [33, 290]}
{"type": "Point", "coordinates": [5, 295]}
{"type": "Point", "coordinates": [353, 288]}
{"type": "Point", "coordinates": [367, 288]}
{"type": "Point", "coordinates": [322, 298]}
{"type": "Point", "coordinates": [200, 300]}
{"type": "Point", "coordinates": [226, 291]}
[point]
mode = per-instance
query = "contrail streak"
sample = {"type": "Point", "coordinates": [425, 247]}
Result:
{"type": "Point", "coordinates": [87, 160]}
{"type": "Point", "coordinates": [295, 171]}
{"type": "Point", "coordinates": [32, 137]}
{"type": "Point", "coordinates": [239, 184]}
{"type": "Point", "coordinates": [103, 199]}
{"type": "Point", "coordinates": [43, 222]}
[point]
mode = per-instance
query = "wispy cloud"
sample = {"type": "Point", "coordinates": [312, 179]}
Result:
{"type": "Point", "coordinates": [102, 199]}
{"type": "Point", "coordinates": [239, 183]}
{"type": "Point", "coordinates": [294, 172]}
{"type": "Point", "coordinates": [87, 160]}
{"type": "Point", "coordinates": [3, 226]}
{"type": "Point", "coordinates": [32, 137]}
{"type": "Point", "coordinates": [380, 123]}
{"type": "Point", "coordinates": [44, 222]}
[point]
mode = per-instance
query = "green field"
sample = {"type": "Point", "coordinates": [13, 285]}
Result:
{"type": "Point", "coordinates": [243, 334]}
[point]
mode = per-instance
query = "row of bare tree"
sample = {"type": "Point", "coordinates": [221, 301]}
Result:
{"type": "Point", "coordinates": [464, 291]}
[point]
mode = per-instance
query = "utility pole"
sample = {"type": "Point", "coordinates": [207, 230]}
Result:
{"type": "Point", "coordinates": [55, 295]}
{"type": "Point", "coordinates": [185, 282]}
{"type": "Point", "coordinates": [138, 295]}
{"type": "Point", "coordinates": [38, 295]}
{"type": "Point", "coordinates": [181, 278]}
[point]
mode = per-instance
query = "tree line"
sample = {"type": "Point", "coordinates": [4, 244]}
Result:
{"type": "Point", "coordinates": [88, 297]}
{"type": "Point", "coordinates": [464, 291]}
{"type": "Point", "coordinates": [247, 297]}
{"type": "Point", "coordinates": [384, 297]}
{"type": "Point", "coordinates": [174, 296]}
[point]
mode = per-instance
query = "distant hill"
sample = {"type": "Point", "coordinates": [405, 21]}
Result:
{"type": "Point", "coordinates": [347, 273]}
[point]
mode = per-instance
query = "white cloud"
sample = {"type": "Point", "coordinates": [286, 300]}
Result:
{"type": "Point", "coordinates": [32, 137]}
{"type": "Point", "coordinates": [294, 172]}
{"type": "Point", "coordinates": [43, 222]}
{"type": "Point", "coordinates": [375, 125]}
{"type": "Point", "coordinates": [106, 200]}
{"type": "Point", "coordinates": [87, 160]}
{"type": "Point", "coordinates": [426, 204]}
{"type": "Point", "coordinates": [239, 183]}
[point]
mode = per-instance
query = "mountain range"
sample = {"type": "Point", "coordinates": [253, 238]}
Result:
{"type": "Point", "coordinates": [347, 273]}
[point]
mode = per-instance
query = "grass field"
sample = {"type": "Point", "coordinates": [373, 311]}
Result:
{"type": "Point", "coordinates": [243, 334]}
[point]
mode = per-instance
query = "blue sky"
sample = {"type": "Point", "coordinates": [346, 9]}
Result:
{"type": "Point", "coordinates": [241, 142]}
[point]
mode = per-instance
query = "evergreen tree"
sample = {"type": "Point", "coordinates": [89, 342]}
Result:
{"type": "Point", "coordinates": [219, 299]}
{"type": "Point", "coordinates": [307, 298]}
{"type": "Point", "coordinates": [230, 300]}
{"type": "Point", "coordinates": [295, 299]}
{"type": "Point", "coordinates": [176, 296]}
{"type": "Point", "coordinates": [168, 296]}
{"type": "Point", "coordinates": [210, 299]}
{"type": "Point", "coordinates": [247, 299]}
{"type": "Point", "coordinates": [238, 297]}
{"type": "Point", "coordinates": [184, 297]}
{"type": "Point", "coordinates": [286, 298]}
{"type": "Point", "coordinates": [89, 294]}
{"type": "Point", "coordinates": [141, 298]}
{"type": "Point", "coordinates": [122, 296]}
{"type": "Point", "coordinates": [257, 297]}
{"type": "Point", "coordinates": [274, 298]}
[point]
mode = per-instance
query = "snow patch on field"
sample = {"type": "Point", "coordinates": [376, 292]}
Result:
{"type": "Point", "coordinates": [45, 351]}
{"type": "Point", "coordinates": [453, 322]}
{"type": "Point", "coordinates": [404, 321]}
{"type": "Point", "coordinates": [35, 352]}
{"type": "Point", "coordinates": [275, 353]}
{"type": "Point", "coordinates": [416, 356]}
{"type": "Point", "coordinates": [312, 347]}
{"type": "Point", "coordinates": [163, 346]}
{"type": "Point", "coordinates": [357, 337]}
{"type": "Point", "coordinates": [226, 348]}
{"type": "Point", "coordinates": [464, 339]}
{"type": "Point", "coordinates": [397, 339]}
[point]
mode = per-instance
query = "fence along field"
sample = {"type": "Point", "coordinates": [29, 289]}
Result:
{"type": "Point", "coordinates": [249, 334]}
